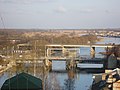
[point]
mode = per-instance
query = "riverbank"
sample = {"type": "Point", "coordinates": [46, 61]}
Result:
{"type": "Point", "coordinates": [101, 39]}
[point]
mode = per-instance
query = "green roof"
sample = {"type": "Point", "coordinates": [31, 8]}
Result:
{"type": "Point", "coordinates": [22, 81]}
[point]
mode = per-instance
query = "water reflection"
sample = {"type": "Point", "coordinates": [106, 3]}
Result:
{"type": "Point", "coordinates": [69, 80]}
{"type": "Point", "coordinates": [52, 83]}
{"type": "Point", "coordinates": [69, 83]}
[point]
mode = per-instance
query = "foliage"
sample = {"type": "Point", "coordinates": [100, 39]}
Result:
{"type": "Point", "coordinates": [41, 39]}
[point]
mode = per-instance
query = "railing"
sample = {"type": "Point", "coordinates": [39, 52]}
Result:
{"type": "Point", "coordinates": [29, 62]}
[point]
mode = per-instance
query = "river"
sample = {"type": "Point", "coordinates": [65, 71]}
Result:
{"type": "Point", "coordinates": [58, 78]}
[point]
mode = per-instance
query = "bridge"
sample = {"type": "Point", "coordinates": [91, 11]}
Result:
{"type": "Point", "coordinates": [77, 46]}
{"type": "Point", "coordinates": [68, 53]}
{"type": "Point", "coordinates": [71, 53]}
{"type": "Point", "coordinates": [75, 49]}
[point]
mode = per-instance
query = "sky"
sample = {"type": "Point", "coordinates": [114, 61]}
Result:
{"type": "Point", "coordinates": [60, 14]}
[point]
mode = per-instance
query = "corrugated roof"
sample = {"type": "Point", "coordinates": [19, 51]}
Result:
{"type": "Point", "coordinates": [22, 81]}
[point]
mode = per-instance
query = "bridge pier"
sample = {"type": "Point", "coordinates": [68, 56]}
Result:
{"type": "Point", "coordinates": [92, 52]}
{"type": "Point", "coordinates": [48, 63]}
{"type": "Point", "coordinates": [70, 64]}
{"type": "Point", "coordinates": [63, 51]}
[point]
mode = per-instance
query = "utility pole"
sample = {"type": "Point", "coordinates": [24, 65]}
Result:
{"type": "Point", "coordinates": [35, 57]}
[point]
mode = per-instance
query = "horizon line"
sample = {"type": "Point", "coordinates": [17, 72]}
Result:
{"type": "Point", "coordinates": [57, 28]}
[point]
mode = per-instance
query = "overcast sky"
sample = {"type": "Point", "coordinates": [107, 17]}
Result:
{"type": "Point", "coordinates": [64, 14]}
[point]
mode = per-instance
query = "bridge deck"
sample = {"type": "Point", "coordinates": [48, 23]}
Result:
{"type": "Point", "coordinates": [78, 60]}
{"type": "Point", "coordinates": [77, 46]}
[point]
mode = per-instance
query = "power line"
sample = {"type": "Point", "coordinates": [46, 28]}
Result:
{"type": "Point", "coordinates": [2, 20]}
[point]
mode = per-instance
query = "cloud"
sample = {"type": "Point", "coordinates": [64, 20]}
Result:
{"type": "Point", "coordinates": [107, 11]}
{"type": "Point", "coordinates": [61, 9]}
{"type": "Point", "coordinates": [24, 1]}
{"type": "Point", "coordinates": [86, 11]}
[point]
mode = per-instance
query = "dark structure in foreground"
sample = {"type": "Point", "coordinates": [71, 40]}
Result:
{"type": "Point", "coordinates": [22, 81]}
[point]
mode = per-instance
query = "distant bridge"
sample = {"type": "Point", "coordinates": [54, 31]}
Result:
{"type": "Point", "coordinates": [65, 49]}
{"type": "Point", "coordinates": [77, 46]}
{"type": "Point", "coordinates": [68, 53]}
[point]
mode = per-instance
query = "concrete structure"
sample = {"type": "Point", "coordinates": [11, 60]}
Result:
{"type": "Point", "coordinates": [70, 53]}
{"type": "Point", "coordinates": [66, 48]}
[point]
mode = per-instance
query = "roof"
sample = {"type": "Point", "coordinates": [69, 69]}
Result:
{"type": "Point", "coordinates": [22, 81]}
